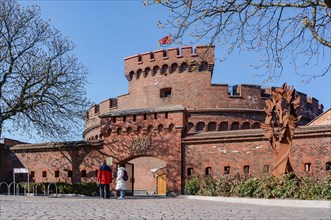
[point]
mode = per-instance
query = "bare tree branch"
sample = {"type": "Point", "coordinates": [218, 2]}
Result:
{"type": "Point", "coordinates": [284, 31]}
{"type": "Point", "coordinates": [42, 84]}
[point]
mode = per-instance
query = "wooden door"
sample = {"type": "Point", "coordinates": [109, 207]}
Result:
{"type": "Point", "coordinates": [162, 184]}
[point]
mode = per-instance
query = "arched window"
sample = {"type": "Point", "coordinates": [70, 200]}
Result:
{"type": "Point", "coordinates": [119, 130]}
{"type": "Point", "coordinates": [147, 71]}
{"type": "Point", "coordinates": [160, 128]}
{"type": "Point", "coordinates": [109, 131]}
{"type": "Point", "coordinates": [200, 126]}
{"type": "Point", "coordinates": [208, 171]}
{"type": "Point", "coordinates": [129, 130]}
{"type": "Point", "coordinates": [203, 66]}
{"type": "Point", "coordinates": [139, 129]}
{"type": "Point", "coordinates": [164, 69]}
{"type": "Point", "coordinates": [189, 126]}
{"type": "Point", "coordinates": [235, 126]}
{"type": "Point", "coordinates": [131, 74]}
{"type": "Point", "coordinates": [212, 126]}
{"type": "Point", "coordinates": [149, 129]}
{"type": "Point", "coordinates": [224, 126]}
{"type": "Point", "coordinates": [173, 68]}
{"type": "Point", "coordinates": [139, 72]}
{"type": "Point", "coordinates": [256, 125]}
{"type": "Point", "coordinates": [246, 125]}
{"type": "Point", "coordinates": [155, 70]}
{"type": "Point", "coordinates": [183, 67]}
{"type": "Point", "coordinates": [171, 127]}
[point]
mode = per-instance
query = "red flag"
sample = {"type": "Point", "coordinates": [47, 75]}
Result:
{"type": "Point", "coordinates": [165, 40]}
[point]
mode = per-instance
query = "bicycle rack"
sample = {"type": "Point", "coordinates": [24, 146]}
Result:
{"type": "Point", "coordinates": [36, 188]}
{"type": "Point", "coordinates": [49, 186]}
{"type": "Point", "coordinates": [17, 188]}
{"type": "Point", "coordinates": [8, 190]}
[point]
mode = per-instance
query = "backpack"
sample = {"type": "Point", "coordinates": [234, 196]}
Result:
{"type": "Point", "coordinates": [125, 175]}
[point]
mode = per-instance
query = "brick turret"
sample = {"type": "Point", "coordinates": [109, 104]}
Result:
{"type": "Point", "coordinates": [182, 76]}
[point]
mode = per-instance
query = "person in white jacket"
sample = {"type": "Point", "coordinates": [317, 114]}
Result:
{"type": "Point", "coordinates": [120, 183]}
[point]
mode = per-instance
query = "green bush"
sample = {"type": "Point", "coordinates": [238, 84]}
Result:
{"type": "Point", "coordinates": [288, 186]}
{"type": "Point", "coordinates": [192, 186]}
{"type": "Point", "coordinates": [228, 185]}
{"type": "Point", "coordinates": [89, 189]}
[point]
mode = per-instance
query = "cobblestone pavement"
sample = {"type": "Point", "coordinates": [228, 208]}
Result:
{"type": "Point", "coordinates": [21, 207]}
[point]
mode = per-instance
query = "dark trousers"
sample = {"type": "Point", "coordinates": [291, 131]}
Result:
{"type": "Point", "coordinates": [104, 187]}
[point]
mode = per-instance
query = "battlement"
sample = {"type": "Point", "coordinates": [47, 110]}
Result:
{"type": "Point", "coordinates": [182, 76]}
{"type": "Point", "coordinates": [169, 61]}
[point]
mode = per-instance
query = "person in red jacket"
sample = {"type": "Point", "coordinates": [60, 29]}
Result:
{"type": "Point", "coordinates": [104, 180]}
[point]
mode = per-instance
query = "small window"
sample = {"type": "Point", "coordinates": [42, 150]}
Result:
{"type": "Point", "coordinates": [227, 170]}
{"type": "Point", "coordinates": [171, 127]}
{"type": "Point", "coordinates": [139, 129]}
{"type": "Point", "coordinates": [224, 126]}
{"type": "Point", "coordinates": [155, 70]}
{"type": "Point", "coordinates": [160, 128]}
{"type": "Point", "coordinates": [139, 58]}
{"type": "Point", "coordinates": [166, 115]}
{"type": "Point", "coordinates": [96, 109]}
{"type": "Point", "coordinates": [69, 173]}
{"type": "Point", "coordinates": [165, 92]}
{"type": "Point", "coordinates": [208, 171]}
{"type": "Point", "coordinates": [151, 56]}
{"type": "Point", "coordinates": [134, 117]}
{"type": "Point", "coordinates": [164, 69]}
{"type": "Point", "coordinates": [145, 117]}
{"type": "Point", "coordinates": [235, 126]}
{"type": "Point", "coordinates": [189, 126]}
{"type": "Point", "coordinates": [190, 171]}
{"type": "Point", "coordinates": [96, 173]}
{"type": "Point", "coordinates": [246, 170]}
{"type": "Point", "coordinates": [149, 129]}
{"type": "Point", "coordinates": [266, 168]}
{"type": "Point", "coordinates": [200, 126]}
{"type": "Point", "coordinates": [328, 165]}
{"type": "Point", "coordinates": [44, 174]}
{"type": "Point", "coordinates": [109, 131]}
{"type": "Point", "coordinates": [32, 174]}
{"type": "Point", "coordinates": [246, 125]}
{"type": "Point", "coordinates": [57, 173]}
{"type": "Point", "coordinates": [119, 130]}
{"type": "Point", "coordinates": [308, 167]}
{"type": "Point", "coordinates": [129, 130]}
{"type": "Point", "coordinates": [83, 173]}
{"type": "Point", "coordinates": [212, 126]}
{"type": "Point", "coordinates": [256, 125]}
{"type": "Point", "coordinates": [155, 115]}
{"type": "Point", "coordinates": [114, 119]}
{"type": "Point", "coordinates": [183, 67]}
{"type": "Point", "coordinates": [124, 118]}
{"type": "Point", "coordinates": [165, 53]}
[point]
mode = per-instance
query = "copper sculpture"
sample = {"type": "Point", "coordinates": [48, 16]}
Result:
{"type": "Point", "coordinates": [281, 120]}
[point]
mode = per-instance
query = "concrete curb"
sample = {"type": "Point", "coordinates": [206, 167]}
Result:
{"type": "Point", "coordinates": [326, 204]}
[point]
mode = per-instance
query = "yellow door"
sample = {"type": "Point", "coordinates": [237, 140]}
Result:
{"type": "Point", "coordinates": [161, 184]}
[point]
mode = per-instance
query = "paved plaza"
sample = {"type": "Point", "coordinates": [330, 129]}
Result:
{"type": "Point", "coordinates": [22, 207]}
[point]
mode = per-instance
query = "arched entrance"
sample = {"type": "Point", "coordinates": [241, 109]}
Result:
{"type": "Point", "coordinates": [147, 176]}
{"type": "Point", "coordinates": [130, 135]}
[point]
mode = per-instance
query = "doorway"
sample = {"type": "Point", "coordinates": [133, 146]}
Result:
{"type": "Point", "coordinates": [162, 184]}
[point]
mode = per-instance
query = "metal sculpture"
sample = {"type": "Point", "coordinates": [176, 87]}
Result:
{"type": "Point", "coordinates": [281, 120]}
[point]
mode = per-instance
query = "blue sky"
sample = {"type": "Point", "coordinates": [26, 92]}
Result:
{"type": "Point", "coordinates": [105, 32]}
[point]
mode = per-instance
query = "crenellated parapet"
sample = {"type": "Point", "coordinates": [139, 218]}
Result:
{"type": "Point", "coordinates": [163, 62]}
{"type": "Point", "coordinates": [182, 76]}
